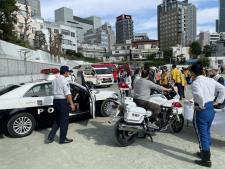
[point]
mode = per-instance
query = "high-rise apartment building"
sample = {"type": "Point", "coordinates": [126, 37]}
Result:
{"type": "Point", "coordinates": [176, 23]}
{"type": "Point", "coordinates": [124, 28]}
{"type": "Point", "coordinates": [35, 7]}
{"type": "Point", "coordinates": [221, 22]}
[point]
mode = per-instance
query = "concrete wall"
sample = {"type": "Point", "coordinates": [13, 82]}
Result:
{"type": "Point", "coordinates": [4, 81]}
{"type": "Point", "coordinates": [9, 50]}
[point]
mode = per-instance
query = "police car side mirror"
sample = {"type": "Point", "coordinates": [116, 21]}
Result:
{"type": "Point", "coordinates": [90, 84]}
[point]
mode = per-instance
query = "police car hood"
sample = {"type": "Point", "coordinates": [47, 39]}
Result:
{"type": "Point", "coordinates": [102, 94]}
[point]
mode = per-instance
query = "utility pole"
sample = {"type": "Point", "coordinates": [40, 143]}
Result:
{"type": "Point", "coordinates": [23, 54]}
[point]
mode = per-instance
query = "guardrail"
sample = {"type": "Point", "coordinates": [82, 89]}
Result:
{"type": "Point", "coordinates": [14, 67]}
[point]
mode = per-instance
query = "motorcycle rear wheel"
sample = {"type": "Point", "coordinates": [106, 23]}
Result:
{"type": "Point", "coordinates": [177, 125]}
{"type": "Point", "coordinates": [123, 138]}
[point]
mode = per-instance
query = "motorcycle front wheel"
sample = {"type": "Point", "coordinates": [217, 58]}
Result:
{"type": "Point", "coordinates": [124, 138]}
{"type": "Point", "coordinates": [177, 124]}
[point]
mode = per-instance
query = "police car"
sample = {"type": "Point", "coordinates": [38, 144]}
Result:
{"type": "Point", "coordinates": [26, 107]}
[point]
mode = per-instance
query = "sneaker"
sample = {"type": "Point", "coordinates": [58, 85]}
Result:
{"type": "Point", "coordinates": [67, 140]}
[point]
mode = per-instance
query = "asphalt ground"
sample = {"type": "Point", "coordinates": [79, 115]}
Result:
{"type": "Point", "coordinates": [94, 148]}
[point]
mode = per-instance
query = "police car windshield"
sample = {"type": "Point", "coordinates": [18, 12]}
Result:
{"type": "Point", "coordinates": [103, 71]}
{"type": "Point", "coordinates": [8, 89]}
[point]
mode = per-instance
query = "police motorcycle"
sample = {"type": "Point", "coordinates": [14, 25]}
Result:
{"type": "Point", "coordinates": [133, 121]}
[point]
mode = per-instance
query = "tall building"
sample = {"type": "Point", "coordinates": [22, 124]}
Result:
{"type": "Point", "coordinates": [65, 16]}
{"type": "Point", "coordinates": [221, 23]}
{"type": "Point", "coordinates": [124, 28]}
{"type": "Point", "coordinates": [176, 23]}
{"type": "Point", "coordinates": [204, 39]}
{"type": "Point", "coordinates": [35, 7]}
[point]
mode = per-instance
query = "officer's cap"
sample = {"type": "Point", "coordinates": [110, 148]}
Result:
{"type": "Point", "coordinates": [64, 69]}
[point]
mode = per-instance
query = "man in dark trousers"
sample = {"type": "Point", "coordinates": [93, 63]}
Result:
{"type": "Point", "coordinates": [204, 90]}
{"type": "Point", "coordinates": [62, 104]}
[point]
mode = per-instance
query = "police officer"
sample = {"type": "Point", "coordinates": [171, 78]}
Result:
{"type": "Point", "coordinates": [204, 90]}
{"type": "Point", "coordinates": [62, 104]}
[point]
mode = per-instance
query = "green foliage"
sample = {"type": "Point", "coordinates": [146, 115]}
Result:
{"type": "Point", "coordinates": [204, 61]}
{"type": "Point", "coordinates": [72, 55]}
{"type": "Point", "coordinates": [168, 54]}
{"type": "Point", "coordinates": [207, 51]}
{"type": "Point", "coordinates": [8, 19]}
{"type": "Point", "coordinates": [151, 56]}
{"type": "Point", "coordinates": [195, 49]}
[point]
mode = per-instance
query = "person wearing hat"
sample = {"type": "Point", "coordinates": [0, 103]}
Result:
{"type": "Point", "coordinates": [203, 90]}
{"type": "Point", "coordinates": [62, 104]}
{"type": "Point", "coordinates": [216, 76]}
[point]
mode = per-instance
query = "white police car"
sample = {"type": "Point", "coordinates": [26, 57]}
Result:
{"type": "Point", "coordinates": [26, 107]}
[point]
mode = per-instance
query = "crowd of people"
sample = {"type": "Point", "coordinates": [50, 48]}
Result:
{"type": "Point", "coordinates": [180, 77]}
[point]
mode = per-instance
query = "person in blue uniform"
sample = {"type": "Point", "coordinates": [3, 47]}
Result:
{"type": "Point", "coordinates": [204, 90]}
{"type": "Point", "coordinates": [62, 104]}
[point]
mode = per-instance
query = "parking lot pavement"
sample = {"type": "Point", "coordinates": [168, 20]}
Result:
{"type": "Point", "coordinates": [94, 148]}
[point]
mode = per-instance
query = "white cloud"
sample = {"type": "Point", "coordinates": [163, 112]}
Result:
{"type": "Point", "coordinates": [208, 15]}
{"type": "Point", "coordinates": [101, 8]}
{"type": "Point", "coordinates": [109, 9]}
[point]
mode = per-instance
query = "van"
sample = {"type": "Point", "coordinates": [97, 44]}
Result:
{"type": "Point", "coordinates": [99, 76]}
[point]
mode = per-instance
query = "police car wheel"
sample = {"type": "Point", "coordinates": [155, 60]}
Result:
{"type": "Point", "coordinates": [21, 125]}
{"type": "Point", "coordinates": [108, 108]}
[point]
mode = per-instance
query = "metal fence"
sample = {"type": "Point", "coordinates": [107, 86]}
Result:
{"type": "Point", "coordinates": [13, 67]}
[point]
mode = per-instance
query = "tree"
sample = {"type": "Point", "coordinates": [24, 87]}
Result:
{"type": "Point", "coordinates": [207, 51]}
{"type": "Point", "coordinates": [151, 56]}
{"type": "Point", "coordinates": [39, 40]}
{"type": "Point", "coordinates": [8, 19]}
{"type": "Point", "coordinates": [195, 49]}
{"type": "Point", "coordinates": [168, 54]}
{"type": "Point", "coordinates": [204, 61]}
{"type": "Point", "coordinates": [27, 21]}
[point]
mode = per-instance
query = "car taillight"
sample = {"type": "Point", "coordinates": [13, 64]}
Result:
{"type": "Point", "coordinates": [177, 104]}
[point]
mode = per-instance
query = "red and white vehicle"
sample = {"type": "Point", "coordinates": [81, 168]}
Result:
{"type": "Point", "coordinates": [99, 76]}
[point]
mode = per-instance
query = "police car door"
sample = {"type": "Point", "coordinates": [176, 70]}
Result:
{"type": "Point", "coordinates": [92, 100]}
{"type": "Point", "coordinates": [39, 98]}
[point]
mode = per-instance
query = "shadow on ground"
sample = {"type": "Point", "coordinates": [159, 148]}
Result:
{"type": "Point", "coordinates": [189, 134]}
{"type": "Point", "coordinates": [100, 132]}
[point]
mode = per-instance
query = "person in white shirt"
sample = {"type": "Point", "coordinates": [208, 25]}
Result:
{"type": "Point", "coordinates": [62, 104]}
{"type": "Point", "coordinates": [204, 90]}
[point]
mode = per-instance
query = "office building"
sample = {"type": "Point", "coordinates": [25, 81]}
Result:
{"type": "Point", "coordinates": [69, 38]}
{"type": "Point", "coordinates": [176, 23]}
{"type": "Point", "coordinates": [140, 36]}
{"type": "Point", "coordinates": [204, 39]}
{"type": "Point", "coordinates": [221, 21]}
{"type": "Point", "coordinates": [124, 29]}
{"type": "Point", "coordinates": [103, 36]}
{"type": "Point", "coordinates": [65, 16]}
{"type": "Point", "coordinates": [35, 7]}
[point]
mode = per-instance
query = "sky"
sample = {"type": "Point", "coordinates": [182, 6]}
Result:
{"type": "Point", "coordinates": [144, 12]}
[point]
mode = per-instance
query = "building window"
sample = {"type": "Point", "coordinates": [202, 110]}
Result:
{"type": "Point", "coordinates": [72, 34]}
{"type": "Point", "coordinates": [56, 31]}
{"type": "Point", "coordinates": [65, 32]}
{"type": "Point", "coordinates": [33, 30]}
